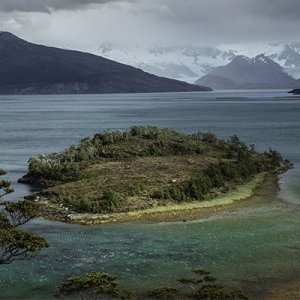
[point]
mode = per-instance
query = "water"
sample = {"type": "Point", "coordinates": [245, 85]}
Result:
{"type": "Point", "coordinates": [246, 249]}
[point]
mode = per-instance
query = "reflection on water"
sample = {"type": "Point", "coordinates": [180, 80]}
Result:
{"type": "Point", "coordinates": [259, 245]}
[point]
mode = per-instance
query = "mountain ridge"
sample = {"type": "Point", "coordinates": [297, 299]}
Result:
{"type": "Point", "coordinates": [189, 63]}
{"type": "Point", "coordinates": [28, 68]}
{"type": "Point", "coordinates": [259, 72]}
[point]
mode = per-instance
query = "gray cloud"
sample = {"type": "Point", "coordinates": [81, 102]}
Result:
{"type": "Point", "coordinates": [84, 24]}
{"type": "Point", "coordinates": [282, 9]}
{"type": "Point", "coordinates": [46, 5]}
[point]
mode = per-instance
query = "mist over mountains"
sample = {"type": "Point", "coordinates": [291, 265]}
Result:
{"type": "Point", "coordinates": [189, 63]}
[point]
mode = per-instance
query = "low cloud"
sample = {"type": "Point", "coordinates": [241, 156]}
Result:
{"type": "Point", "coordinates": [85, 24]}
{"type": "Point", "coordinates": [47, 5]}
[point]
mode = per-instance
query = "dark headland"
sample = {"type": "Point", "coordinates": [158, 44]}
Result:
{"type": "Point", "coordinates": [295, 92]}
{"type": "Point", "coordinates": [28, 68]}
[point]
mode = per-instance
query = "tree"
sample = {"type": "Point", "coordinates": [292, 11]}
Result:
{"type": "Point", "coordinates": [204, 286]}
{"type": "Point", "coordinates": [99, 285]}
{"type": "Point", "coordinates": [5, 187]}
{"type": "Point", "coordinates": [16, 244]}
{"type": "Point", "coordinates": [94, 286]}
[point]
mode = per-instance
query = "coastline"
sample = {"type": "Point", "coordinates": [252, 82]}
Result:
{"type": "Point", "coordinates": [241, 195]}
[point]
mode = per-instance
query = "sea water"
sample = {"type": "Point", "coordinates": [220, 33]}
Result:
{"type": "Point", "coordinates": [250, 249]}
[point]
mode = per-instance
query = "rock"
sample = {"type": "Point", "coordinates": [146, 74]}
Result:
{"type": "Point", "coordinates": [295, 92]}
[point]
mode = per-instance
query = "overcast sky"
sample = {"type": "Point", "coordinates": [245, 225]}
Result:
{"type": "Point", "coordinates": [84, 24]}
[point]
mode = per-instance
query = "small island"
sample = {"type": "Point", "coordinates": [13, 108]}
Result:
{"type": "Point", "coordinates": [147, 173]}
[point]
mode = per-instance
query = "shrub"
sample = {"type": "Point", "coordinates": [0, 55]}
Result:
{"type": "Point", "coordinates": [194, 189]}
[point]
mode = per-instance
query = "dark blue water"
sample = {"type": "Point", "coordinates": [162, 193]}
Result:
{"type": "Point", "coordinates": [257, 246]}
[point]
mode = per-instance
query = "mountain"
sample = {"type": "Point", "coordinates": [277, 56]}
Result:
{"type": "Point", "coordinates": [27, 68]}
{"type": "Point", "coordinates": [260, 72]}
{"type": "Point", "coordinates": [218, 82]}
{"type": "Point", "coordinates": [186, 63]}
{"type": "Point", "coordinates": [189, 63]}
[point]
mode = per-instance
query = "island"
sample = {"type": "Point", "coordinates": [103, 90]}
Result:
{"type": "Point", "coordinates": [147, 174]}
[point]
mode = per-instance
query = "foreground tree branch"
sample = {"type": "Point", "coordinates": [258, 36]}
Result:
{"type": "Point", "coordinates": [16, 244]}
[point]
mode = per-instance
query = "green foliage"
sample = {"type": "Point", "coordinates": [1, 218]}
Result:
{"type": "Point", "coordinates": [149, 132]}
{"type": "Point", "coordinates": [4, 222]}
{"type": "Point", "coordinates": [163, 293]}
{"type": "Point", "coordinates": [98, 283]}
{"type": "Point", "coordinates": [98, 175]}
{"type": "Point", "coordinates": [50, 168]}
{"type": "Point", "coordinates": [102, 283]}
{"type": "Point", "coordinates": [208, 138]}
{"type": "Point", "coordinates": [205, 286]}
{"type": "Point", "coordinates": [139, 141]}
{"type": "Point", "coordinates": [239, 170]}
{"type": "Point", "coordinates": [196, 188]}
{"type": "Point", "coordinates": [14, 244]}
{"type": "Point", "coordinates": [110, 201]}
{"type": "Point", "coordinates": [19, 245]}
{"type": "Point", "coordinates": [20, 212]}
{"type": "Point", "coordinates": [5, 185]}
{"type": "Point", "coordinates": [275, 158]}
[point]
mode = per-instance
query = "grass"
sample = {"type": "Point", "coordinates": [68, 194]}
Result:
{"type": "Point", "coordinates": [132, 180]}
{"type": "Point", "coordinates": [239, 193]}
{"type": "Point", "coordinates": [171, 211]}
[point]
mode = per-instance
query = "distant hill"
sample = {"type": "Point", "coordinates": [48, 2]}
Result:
{"type": "Point", "coordinates": [243, 72]}
{"type": "Point", "coordinates": [27, 68]}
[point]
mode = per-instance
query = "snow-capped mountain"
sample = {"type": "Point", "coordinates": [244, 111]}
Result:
{"type": "Point", "coordinates": [259, 72]}
{"type": "Point", "coordinates": [189, 63]}
{"type": "Point", "coordinates": [184, 63]}
{"type": "Point", "coordinates": [286, 55]}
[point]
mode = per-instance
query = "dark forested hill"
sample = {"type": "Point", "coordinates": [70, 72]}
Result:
{"type": "Point", "coordinates": [27, 68]}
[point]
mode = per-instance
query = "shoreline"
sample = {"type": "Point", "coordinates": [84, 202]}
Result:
{"type": "Point", "coordinates": [189, 211]}
{"type": "Point", "coordinates": [288, 289]}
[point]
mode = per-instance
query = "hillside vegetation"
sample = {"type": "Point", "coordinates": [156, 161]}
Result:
{"type": "Point", "coordinates": [121, 171]}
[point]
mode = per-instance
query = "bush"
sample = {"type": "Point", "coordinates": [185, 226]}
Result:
{"type": "Point", "coordinates": [194, 189]}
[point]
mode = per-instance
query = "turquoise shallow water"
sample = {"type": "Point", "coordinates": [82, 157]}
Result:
{"type": "Point", "coordinates": [249, 249]}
